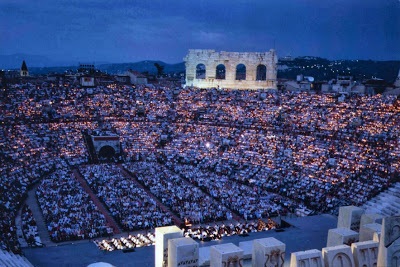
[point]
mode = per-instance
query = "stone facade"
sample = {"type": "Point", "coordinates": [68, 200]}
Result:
{"type": "Point", "coordinates": [268, 252]}
{"type": "Point", "coordinates": [163, 234]}
{"type": "Point", "coordinates": [338, 256]}
{"type": "Point", "coordinates": [350, 217]}
{"type": "Point", "coordinates": [389, 245]}
{"type": "Point", "coordinates": [259, 70]}
{"type": "Point", "coordinates": [365, 253]}
{"type": "Point", "coordinates": [183, 252]}
{"type": "Point", "coordinates": [225, 255]}
{"type": "Point", "coordinates": [340, 236]}
{"type": "Point", "coordinates": [309, 258]}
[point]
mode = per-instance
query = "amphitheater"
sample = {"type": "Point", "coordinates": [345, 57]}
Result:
{"type": "Point", "coordinates": [101, 175]}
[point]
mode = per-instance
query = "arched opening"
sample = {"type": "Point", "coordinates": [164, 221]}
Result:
{"type": "Point", "coordinates": [107, 152]}
{"type": "Point", "coordinates": [200, 71]}
{"type": "Point", "coordinates": [261, 73]}
{"type": "Point", "coordinates": [241, 72]}
{"type": "Point", "coordinates": [220, 72]}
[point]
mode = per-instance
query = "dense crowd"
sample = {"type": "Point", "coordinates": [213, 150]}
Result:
{"type": "Point", "coordinates": [130, 205]}
{"type": "Point", "coordinates": [68, 210]}
{"type": "Point", "coordinates": [184, 198]}
{"type": "Point", "coordinates": [271, 151]}
{"type": "Point", "coordinates": [29, 227]}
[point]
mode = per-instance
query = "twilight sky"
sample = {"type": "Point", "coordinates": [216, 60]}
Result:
{"type": "Point", "coordinates": [131, 30]}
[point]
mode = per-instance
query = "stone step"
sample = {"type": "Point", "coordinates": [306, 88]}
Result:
{"type": "Point", "coordinates": [33, 204]}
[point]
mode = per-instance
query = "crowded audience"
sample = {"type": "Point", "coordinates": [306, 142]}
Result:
{"type": "Point", "coordinates": [255, 153]}
{"type": "Point", "coordinates": [129, 204]}
{"type": "Point", "coordinates": [184, 198]}
{"type": "Point", "coordinates": [29, 227]}
{"type": "Point", "coordinates": [69, 212]}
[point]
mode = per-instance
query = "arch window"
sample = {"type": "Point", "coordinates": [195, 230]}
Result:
{"type": "Point", "coordinates": [200, 71]}
{"type": "Point", "coordinates": [220, 72]}
{"type": "Point", "coordinates": [241, 72]}
{"type": "Point", "coordinates": [261, 73]}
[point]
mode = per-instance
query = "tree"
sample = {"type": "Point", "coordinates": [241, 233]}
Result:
{"type": "Point", "coordinates": [160, 69]}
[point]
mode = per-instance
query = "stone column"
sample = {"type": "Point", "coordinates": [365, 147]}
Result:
{"type": "Point", "coordinates": [163, 234]}
{"type": "Point", "coordinates": [183, 252]}
{"type": "Point", "coordinates": [350, 217]}
{"type": "Point", "coordinates": [365, 253]}
{"type": "Point", "coordinates": [226, 255]}
{"type": "Point", "coordinates": [268, 252]}
{"type": "Point", "coordinates": [389, 245]}
{"type": "Point", "coordinates": [340, 236]}
{"type": "Point", "coordinates": [338, 256]}
{"type": "Point", "coordinates": [309, 258]}
{"type": "Point", "coordinates": [367, 231]}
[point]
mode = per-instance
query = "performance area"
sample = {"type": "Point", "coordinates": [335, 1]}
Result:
{"type": "Point", "coordinates": [305, 233]}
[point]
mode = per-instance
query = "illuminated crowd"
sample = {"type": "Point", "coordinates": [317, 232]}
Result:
{"type": "Point", "coordinates": [254, 153]}
{"type": "Point", "coordinates": [184, 198]}
{"type": "Point", "coordinates": [69, 212]}
{"type": "Point", "coordinates": [128, 203]}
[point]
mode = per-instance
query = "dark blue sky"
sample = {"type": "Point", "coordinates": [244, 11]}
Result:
{"type": "Point", "coordinates": [130, 30]}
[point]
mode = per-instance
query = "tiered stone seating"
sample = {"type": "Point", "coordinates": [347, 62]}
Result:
{"type": "Point", "coordinates": [386, 203]}
{"type": "Point", "coordinates": [9, 259]}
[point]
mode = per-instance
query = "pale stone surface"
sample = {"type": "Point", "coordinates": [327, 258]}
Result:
{"type": "Point", "coordinates": [367, 231]}
{"type": "Point", "coordinates": [268, 252]}
{"type": "Point", "coordinates": [369, 218]}
{"type": "Point", "coordinates": [204, 256]}
{"type": "Point", "coordinates": [338, 256]}
{"type": "Point", "coordinates": [308, 258]}
{"type": "Point", "coordinates": [247, 247]}
{"type": "Point", "coordinates": [365, 253]}
{"type": "Point", "coordinates": [163, 234]}
{"type": "Point", "coordinates": [226, 255]}
{"type": "Point", "coordinates": [340, 236]}
{"type": "Point", "coordinates": [377, 237]}
{"type": "Point", "coordinates": [211, 59]}
{"type": "Point", "coordinates": [350, 217]}
{"type": "Point", "coordinates": [389, 245]}
{"type": "Point", "coordinates": [183, 252]}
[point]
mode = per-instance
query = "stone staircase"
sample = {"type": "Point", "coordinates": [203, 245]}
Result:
{"type": "Point", "coordinates": [31, 201]}
{"type": "Point", "coordinates": [9, 259]}
{"type": "Point", "coordinates": [386, 203]}
{"type": "Point", "coordinates": [20, 234]}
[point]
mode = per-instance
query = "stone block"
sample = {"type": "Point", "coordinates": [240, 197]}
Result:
{"type": "Point", "coordinates": [377, 237]}
{"type": "Point", "coordinates": [350, 217]}
{"type": "Point", "coordinates": [308, 258]}
{"type": "Point", "coordinates": [226, 255]}
{"type": "Point", "coordinates": [389, 245]}
{"type": "Point", "coordinates": [268, 252]}
{"type": "Point", "coordinates": [369, 218]}
{"type": "Point", "coordinates": [163, 234]}
{"type": "Point", "coordinates": [338, 256]}
{"type": "Point", "coordinates": [183, 252]}
{"type": "Point", "coordinates": [367, 231]}
{"type": "Point", "coordinates": [340, 236]}
{"type": "Point", "coordinates": [247, 247]}
{"type": "Point", "coordinates": [365, 253]}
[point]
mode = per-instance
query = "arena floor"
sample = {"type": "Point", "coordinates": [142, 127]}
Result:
{"type": "Point", "coordinates": [305, 233]}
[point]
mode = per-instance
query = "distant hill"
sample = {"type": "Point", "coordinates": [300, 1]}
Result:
{"type": "Point", "coordinates": [142, 66]}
